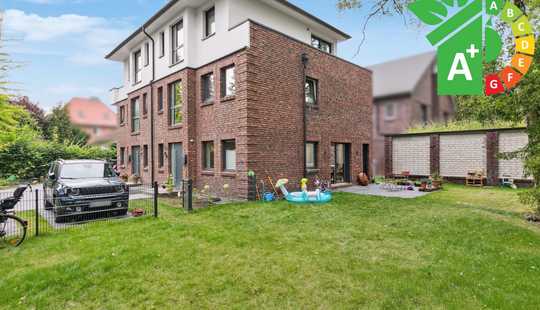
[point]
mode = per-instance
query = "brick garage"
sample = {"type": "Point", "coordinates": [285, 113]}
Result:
{"type": "Point", "coordinates": [265, 116]}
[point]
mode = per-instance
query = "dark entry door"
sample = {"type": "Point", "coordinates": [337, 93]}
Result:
{"type": "Point", "coordinates": [365, 159]}
{"type": "Point", "coordinates": [342, 163]}
{"type": "Point", "coordinates": [177, 163]}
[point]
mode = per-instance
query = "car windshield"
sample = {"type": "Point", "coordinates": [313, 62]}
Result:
{"type": "Point", "coordinates": [86, 171]}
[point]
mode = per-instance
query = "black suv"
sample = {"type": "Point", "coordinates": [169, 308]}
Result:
{"type": "Point", "coordinates": [79, 190]}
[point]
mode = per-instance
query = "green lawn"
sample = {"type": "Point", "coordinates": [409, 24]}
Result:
{"type": "Point", "coordinates": [457, 249]}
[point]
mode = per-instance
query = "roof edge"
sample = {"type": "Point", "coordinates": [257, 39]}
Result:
{"type": "Point", "coordinates": [171, 3]}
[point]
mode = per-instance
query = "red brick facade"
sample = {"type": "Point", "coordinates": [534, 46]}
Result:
{"type": "Point", "coordinates": [265, 117]}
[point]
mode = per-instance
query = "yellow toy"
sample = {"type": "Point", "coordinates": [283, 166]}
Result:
{"type": "Point", "coordinates": [303, 184]}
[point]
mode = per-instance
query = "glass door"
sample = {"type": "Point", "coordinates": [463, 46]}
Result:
{"type": "Point", "coordinates": [341, 163]}
{"type": "Point", "coordinates": [136, 160]}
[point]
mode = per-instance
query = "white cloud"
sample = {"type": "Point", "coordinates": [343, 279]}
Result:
{"type": "Point", "coordinates": [84, 39]}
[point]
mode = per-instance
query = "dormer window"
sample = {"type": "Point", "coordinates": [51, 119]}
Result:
{"type": "Point", "coordinates": [137, 66]}
{"type": "Point", "coordinates": [178, 42]}
{"type": "Point", "coordinates": [209, 22]}
{"type": "Point", "coordinates": [321, 44]}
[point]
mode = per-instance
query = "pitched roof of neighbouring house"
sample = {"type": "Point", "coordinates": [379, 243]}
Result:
{"type": "Point", "coordinates": [90, 112]}
{"type": "Point", "coordinates": [400, 76]}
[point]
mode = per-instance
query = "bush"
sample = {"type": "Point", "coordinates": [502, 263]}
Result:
{"type": "Point", "coordinates": [27, 156]}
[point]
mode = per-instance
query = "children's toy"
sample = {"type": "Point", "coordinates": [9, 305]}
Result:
{"type": "Point", "coordinates": [269, 196]}
{"type": "Point", "coordinates": [304, 196]}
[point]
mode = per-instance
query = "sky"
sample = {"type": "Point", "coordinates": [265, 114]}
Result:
{"type": "Point", "coordinates": [59, 45]}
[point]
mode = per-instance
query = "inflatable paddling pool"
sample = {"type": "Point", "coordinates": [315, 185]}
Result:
{"type": "Point", "coordinates": [303, 197]}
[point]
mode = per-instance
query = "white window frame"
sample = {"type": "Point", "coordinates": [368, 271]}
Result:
{"type": "Point", "coordinates": [229, 156]}
{"type": "Point", "coordinates": [146, 54]}
{"type": "Point", "coordinates": [137, 66]}
{"type": "Point", "coordinates": [177, 50]}
{"type": "Point", "coordinates": [390, 116]}
{"type": "Point", "coordinates": [161, 44]}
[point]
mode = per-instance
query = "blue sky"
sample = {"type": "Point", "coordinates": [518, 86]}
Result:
{"type": "Point", "coordinates": [61, 44]}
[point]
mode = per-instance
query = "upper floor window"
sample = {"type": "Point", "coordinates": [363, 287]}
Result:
{"type": "Point", "coordinates": [390, 111]}
{"type": "Point", "coordinates": [122, 155]}
{"type": "Point", "coordinates": [160, 99]}
{"type": "Point", "coordinates": [161, 44]}
{"type": "Point", "coordinates": [137, 66]}
{"type": "Point", "coordinates": [207, 82]}
{"type": "Point", "coordinates": [135, 115]}
{"type": "Point", "coordinates": [312, 91]}
{"type": "Point", "coordinates": [178, 42]}
{"type": "Point", "coordinates": [175, 103]}
{"type": "Point", "coordinates": [321, 44]}
{"type": "Point", "coordinates": [209, 22]}
{"type": "Point", "coordinates": [122, 114]}
{"type": "Point", "coordinates": [146, 54]}
{"type": "Point", "coordinates": [228, 81]}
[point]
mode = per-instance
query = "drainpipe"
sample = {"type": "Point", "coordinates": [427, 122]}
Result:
{"type": "Point", "coordinates": [305, 61]}
{"type": "Point", "coordinates": [152, 149]}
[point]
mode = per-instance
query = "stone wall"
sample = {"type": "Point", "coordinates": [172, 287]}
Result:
{"type": "Point", "coordinates": [453, 155]}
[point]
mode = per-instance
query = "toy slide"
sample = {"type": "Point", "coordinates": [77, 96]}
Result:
{"type": "Point", "coordinates": [304, 196]}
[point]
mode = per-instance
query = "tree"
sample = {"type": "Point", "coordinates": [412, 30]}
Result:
{"type": "Point", "coordinates": [59, 129]}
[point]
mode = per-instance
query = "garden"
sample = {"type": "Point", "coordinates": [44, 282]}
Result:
{"type": "Point", "coordinates": [460, 247]}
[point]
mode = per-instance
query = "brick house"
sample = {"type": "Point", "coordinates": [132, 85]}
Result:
{"type": "Point", "coordinates": [94, 118]}
{"type": "Point", "coordinates": [215, 89]}
{"type": "Point", "coordinates": [405, 95]}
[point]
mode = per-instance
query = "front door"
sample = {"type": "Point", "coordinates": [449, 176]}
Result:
{"type": "Point", "coordinates": [341, 163]}
{"type": "Point", "coordinates": [177, 163]}
{"type": "Point", "coordinates": [136, 160]}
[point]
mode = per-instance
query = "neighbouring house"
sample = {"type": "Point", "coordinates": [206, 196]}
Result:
{"type": "Point", "coordinates": [216, 89]}
{"type": "Point", "coordinates": [405, 95]}
{"type": "Point", "coordinates": [95, 118]}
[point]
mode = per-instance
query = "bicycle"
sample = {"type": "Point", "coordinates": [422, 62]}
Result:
{"type": "Point", "coordinates": [12, 228]}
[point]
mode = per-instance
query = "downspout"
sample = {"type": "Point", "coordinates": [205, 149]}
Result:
{"type": "Point", "coordinates": [152, 149]}
{"type": "Point", "coordinates": [305, 61]}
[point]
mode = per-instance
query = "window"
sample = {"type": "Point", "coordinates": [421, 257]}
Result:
{"type": "Point", "coordinates": [321, 44]}
{"type": "Point", "coordinates": [207, 82]}
{"type": "Point", "coordinates": [311, 155]}
{"type": "Point", "coordinates": [160, 99]}
{"type": "Point", "coordinates": [208, 155]}
{"type": "Point", "coordinates": [122, 156]}
{"type": "Point", "coordinates": [178, 42]}
{"type": "Point", "coordinates": [144, 104]}
{"type": "Point", "coordinates": [137, 66]}
{"type": "Point", "coordinates": [424, 109]}
{"type": "Point", "coordinates": [145, 156]}
{"type": "Point", "coordinates": [312, 91]}
{"type": "Point", "coordinates": [389, 111]}
{"type": "Point", "coordinates": [228, 82]}
{"type": "Point", "coordinates": [229, 155]}
{"type": "Point", "coordinates": [146, 54]}
{"type": "Point", "coordinates": [97, 130]}
{"type": "Point", "coordinates": [175, 103]}
{"type": "Point", "coordinates": [161, 156]}
{"type": "Point", "coordinates": [122, 115]}
{"type": "Point", "coordinates": [210, 22]}
{"type": "Point", "coordinates": [161, 44]}
{"type": "Point", "coordinates": [135, 115]}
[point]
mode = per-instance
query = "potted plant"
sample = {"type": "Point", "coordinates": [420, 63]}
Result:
{"type": "Point", "coordinates": [436, 181]}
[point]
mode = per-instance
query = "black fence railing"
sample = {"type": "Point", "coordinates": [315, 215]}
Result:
{"type": "Point", "coordinates": [44, 215]}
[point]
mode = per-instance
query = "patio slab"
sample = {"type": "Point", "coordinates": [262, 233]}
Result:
{"type": "Point", "coordinates": [377, 190]}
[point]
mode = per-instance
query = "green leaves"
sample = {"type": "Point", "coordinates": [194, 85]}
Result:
{"type": "Point", "coordinates": [429, 12]}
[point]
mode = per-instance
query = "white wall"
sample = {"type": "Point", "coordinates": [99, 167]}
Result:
{"type": "Point", "coordinates": [512, 142]}
{"type": "Point", "coordinates": [411, 154]}
{"type": "Point", "coordinates": [229, 37]}
{"type": "Point", "coordinates": [462, 153]}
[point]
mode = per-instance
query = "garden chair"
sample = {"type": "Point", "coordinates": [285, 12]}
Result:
{"type": "Point", "coordinates": [475, 178]}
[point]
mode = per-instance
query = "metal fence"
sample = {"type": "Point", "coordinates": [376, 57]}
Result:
{"type": "Point", "coordinates": [45, 215]}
